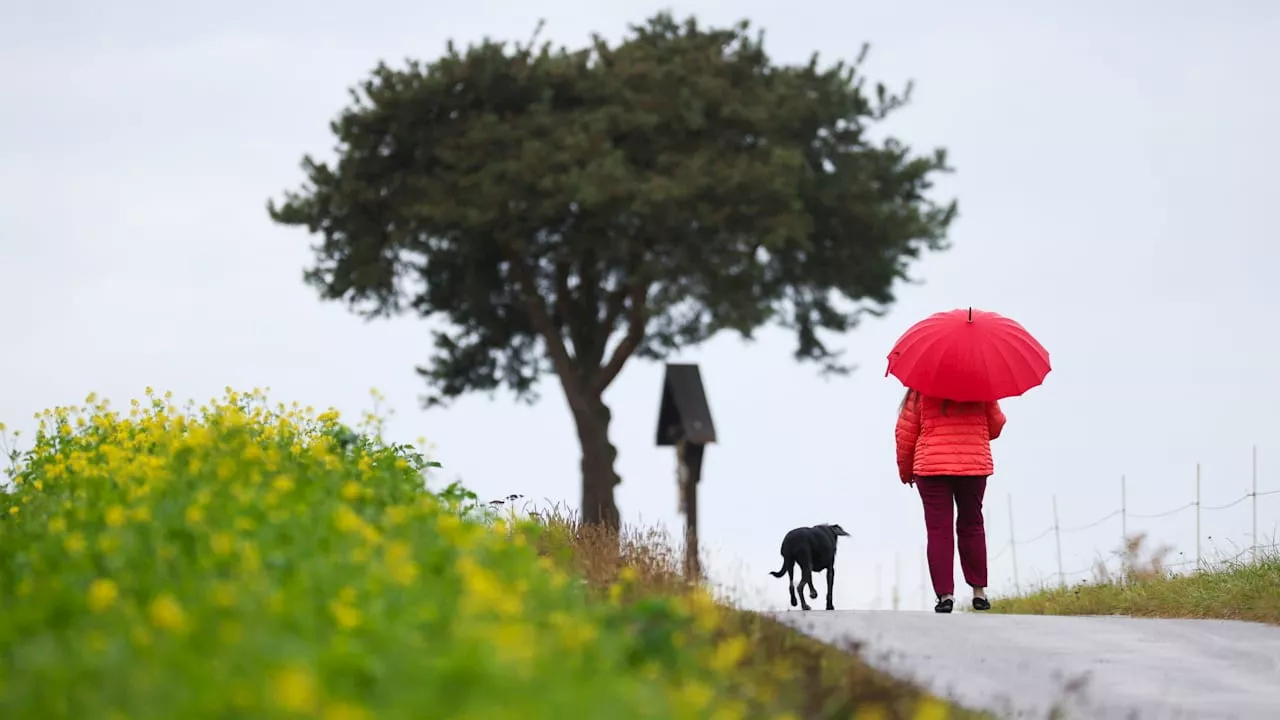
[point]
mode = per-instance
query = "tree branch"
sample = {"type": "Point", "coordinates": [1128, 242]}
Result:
{"type": "Point", "coordinates": [613, 307]}
{"type": "Point", "coordinates": [543, 323]}
{"type": "Point", "coordinates": [565, 310]}
{"type": "Point", "coordinates": [637, 318]}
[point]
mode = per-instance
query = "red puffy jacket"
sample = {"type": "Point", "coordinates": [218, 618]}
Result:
{"type": "Point", "coordinates": [939, 437]}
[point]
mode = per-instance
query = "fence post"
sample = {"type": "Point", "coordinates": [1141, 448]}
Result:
{"type": "Point", "coordinates": [897, 561]}
{"type": "Point", "coordinates": [1013, 548]}
{"type": "Point", "coordinates": [1255, 503]}
{"type": "Point", "coordinates": [1057, 540]}
{"type": "Point", "coordinates": [1124, 524]}
{"type": "Point", "coordinates": [1197, 516]}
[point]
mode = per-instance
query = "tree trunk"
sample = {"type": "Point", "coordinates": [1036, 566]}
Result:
{"type": "Point", "coordinates": [598, 476]}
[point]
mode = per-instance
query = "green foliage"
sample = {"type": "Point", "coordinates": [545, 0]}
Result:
{"type": "Point", "coordinates": [551, 204]}
{"type": "Point", "coordinates": [243, 562]}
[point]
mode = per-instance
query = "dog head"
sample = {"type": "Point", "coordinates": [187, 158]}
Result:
{"type": "Point", "coordinates": [835, 530]}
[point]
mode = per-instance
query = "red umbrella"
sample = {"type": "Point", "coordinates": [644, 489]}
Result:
{"type": "Point", "coordinates": [968, 356]}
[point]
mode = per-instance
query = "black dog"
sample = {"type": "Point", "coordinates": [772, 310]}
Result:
{"type": "Point", "coordinates": [814, 549]}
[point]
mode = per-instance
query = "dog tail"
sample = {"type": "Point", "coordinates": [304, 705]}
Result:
{"type": "Point", "coordinates": [783, 571]}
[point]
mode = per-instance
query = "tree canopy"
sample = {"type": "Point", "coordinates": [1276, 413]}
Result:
{"type": "Point", "coordinates": [564, 210]}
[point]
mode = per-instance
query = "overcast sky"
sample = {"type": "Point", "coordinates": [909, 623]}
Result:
{"type": "Point", "coordinates": [1116, 179]}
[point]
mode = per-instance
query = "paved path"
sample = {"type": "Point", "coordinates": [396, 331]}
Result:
{"type": "Point", "coordinates": [1093, 667]}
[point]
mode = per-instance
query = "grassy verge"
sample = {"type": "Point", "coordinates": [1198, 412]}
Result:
{"type": "Point", "coordinates": [1231, 590]}
{"type": "Point", "coordinates": [239, 560]}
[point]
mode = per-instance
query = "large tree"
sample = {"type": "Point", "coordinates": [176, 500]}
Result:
{"type": "Point", "coordinates": [564, 211]}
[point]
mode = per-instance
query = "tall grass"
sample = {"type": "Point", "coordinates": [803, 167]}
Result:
{"type": "Point", "coordinates": [1238, 588]}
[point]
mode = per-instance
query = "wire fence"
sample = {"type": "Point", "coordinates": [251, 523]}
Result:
{"type": "Point", "coordinates": [1112, 567]}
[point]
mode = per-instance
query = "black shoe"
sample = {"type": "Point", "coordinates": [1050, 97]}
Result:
{"type": "Point", "coordinates": [981, 604]}
{"type": "Point", "coordinates": [944, 606]}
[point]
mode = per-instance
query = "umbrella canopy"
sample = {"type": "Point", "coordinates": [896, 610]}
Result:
{"type": "Point", "coordinates": [967, 356]}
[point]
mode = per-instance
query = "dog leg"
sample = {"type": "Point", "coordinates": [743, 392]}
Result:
{"type": "Point", "coordinates": [791, 582]}
{"type": "Point", "coordinates": [831, 583]}
{"type": "Point", "coordinates": [806, 578]}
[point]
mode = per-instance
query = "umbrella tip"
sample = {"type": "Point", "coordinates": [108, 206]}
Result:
{"type": "Point", "coordinates": [970, 313]}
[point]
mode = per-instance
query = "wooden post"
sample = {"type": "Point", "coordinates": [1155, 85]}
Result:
{"type": "Point", "coordinates": [1197, 517]}
{"type": "Point", "coordinates": [689, 471]}
{"type": "Point", "coordinates": [1013, 548]}
{"type": "Point", "coordinates": [897, 577]}
{"type": "Point", "coordinates": [1124, 514]}
{"type": "Point", "coordinates": [1124, 527]}
{"type": "Point", "coordinates": [1254, 534]}
{"type": "Point", "coordinates": [684, 422]}
{"type": "Point", "coordinates": [1057, 541]}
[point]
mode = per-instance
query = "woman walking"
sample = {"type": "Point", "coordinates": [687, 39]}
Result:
{"type": "Point", "coordinates": [944, 449]}
{"type": "Point", "coordinates": [975, 358]}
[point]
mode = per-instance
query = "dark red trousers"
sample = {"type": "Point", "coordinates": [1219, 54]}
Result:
{"type": "Point", "coordinates": [953, 510]}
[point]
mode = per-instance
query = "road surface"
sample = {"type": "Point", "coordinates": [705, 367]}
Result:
{"type": "Point", "coordinates": [1022, 666]}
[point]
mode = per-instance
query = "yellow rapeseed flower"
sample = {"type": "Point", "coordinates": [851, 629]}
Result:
{"type": "Point", "coordinates": [365, 465]}
{"type": "Point", "coordinates": [282, 484]}
{"type": "Point", "coordinates": [486, 591]}
{"type": "Point", "coordinates": [348, 617]}
{"type": "Point", "coordinates": [931, 709]}
{"type": "Point", "coordinates": [73, 543]}
{"type": "Point", "coordinates": [516, 645]}
{"type": "Point", "coordinates": [397, 515]}
{"type": "Point", "coordinates": [294, 689]}
{"type": "Point", "coordinates": [222, 544]}
{"type": "Point", "coordinates": [102, 594]}
{"type": "Point", "coordinates": [575, 633]}
{"type": "Point", "coordinates": [692, 697]}
{"type": "Point", "coordinates": [398, 558]}
{"type": "Point", "coordinates": [729, 653]}
{"type": "Point", "coordinates": [706, 613]}
{"type": "Point", "coordinates": [346, 520]}
{"type": "Point", "coordinates": [166, 613]}
{"type": "Point", "coordinates": [115, 516]}
{"type": "Point", "coordinates": [351, 490]}
{"type": "Point", "coordinates": [345, 711]}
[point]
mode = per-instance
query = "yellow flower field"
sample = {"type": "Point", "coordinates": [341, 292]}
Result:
{"type": "Point", "coordinates": [244, 560]}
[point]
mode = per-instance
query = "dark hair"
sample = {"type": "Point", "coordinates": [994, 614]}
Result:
{"type": "Point", "coordinates": [913, 396]}
{"type": "Point", "coordinates": [971, 405]}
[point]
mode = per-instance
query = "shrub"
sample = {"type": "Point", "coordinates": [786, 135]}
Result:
{"type": "Point", "coordinates": [239, 560]}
